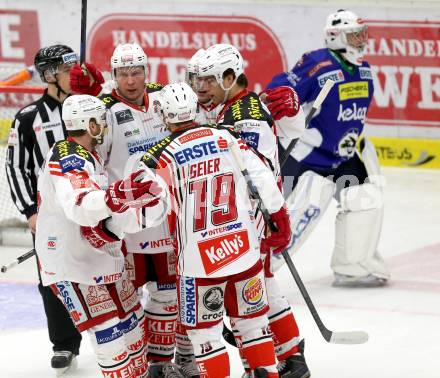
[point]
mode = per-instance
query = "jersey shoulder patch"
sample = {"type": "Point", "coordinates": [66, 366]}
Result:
{"type": "Point", "coordinates": [70, 156]}
{"type": "Point", "coordinates": [248, 107]}
{"type": "Point", "coordinates": [152, 155]}
{"type": "Point", "coordinates": [108, 99]}
{"type": "Point", "coordinates": [153, 87]}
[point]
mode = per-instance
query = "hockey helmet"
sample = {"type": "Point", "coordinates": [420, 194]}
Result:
{"type": "Point", "coordinates": [128, 55]}
{"type": "Point", "coordinates": [338, 26]}
{"type": "Point", "coordinates": [177, 102]}
{"type": "Point", "coordinates": [78, 110]}
{"type": "Point", "coordinates": [50, 58]}
{"type": "Point", "coordinates": [217, 59]}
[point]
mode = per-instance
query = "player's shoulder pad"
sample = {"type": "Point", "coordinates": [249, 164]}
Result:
{"type": "Point", "coordinates": [153, 87]}
{"type": "Point", "coordinates": [230, 130]}
{"type": "Point", "coordinates": [152, 155]}
{"type": "Point", "coordinates": [245, 108]}
{"type": "Point", "coordinates": [70, 155]}
{"type": "Point", "coordinates": [108, 99]}
{"type": "Point", "coordinates": [315, 61]}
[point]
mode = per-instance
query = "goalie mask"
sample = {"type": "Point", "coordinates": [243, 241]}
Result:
{"type": "Point", "coordinates": [79, 110]}
{"type": "Point", "coordinates": [128, 55]}
{"type": "Point", "coordinates": [177, 102]}
{"type": "Point", "coordinates": [347, 34]}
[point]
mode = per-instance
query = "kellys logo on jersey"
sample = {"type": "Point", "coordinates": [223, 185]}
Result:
{"type": "Point", "coordinates": [71, 162]}
{"type": "Point", "coordinates": [252, 292]}
{"type": "Point", "coordinates": [337, 76]}
{"type": "Point", "coordinates": [188, 300]}
{"type": "Point", "coordinates": [218, 252]}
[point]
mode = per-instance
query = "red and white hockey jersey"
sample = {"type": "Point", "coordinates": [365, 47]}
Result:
{"type": "Point", "coordinates": [132, 130]}
{"type": "Point", "coordinates": [70, 195]}
{"type": "Point", "coordinates": [211, 215]}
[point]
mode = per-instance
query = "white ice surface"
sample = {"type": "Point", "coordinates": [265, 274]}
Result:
{"type": "Point", "coordinates": [403, 319]}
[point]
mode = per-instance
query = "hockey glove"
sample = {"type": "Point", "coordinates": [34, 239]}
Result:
{"type": "Point", "coordinates": [132, 192]}
{"type": "Point", "coordinates": [282, 102]}
{"type": "Point", "coordinates": [99, 235]}
{"type": "Point", "coordinates": [279, 239]}
{"type": "Point", "coordinates": [81, 79]}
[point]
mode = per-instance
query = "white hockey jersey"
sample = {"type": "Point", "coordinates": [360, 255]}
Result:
{"type": "Point", "coordinates": [211, 215]}
{"type": "Point", "coordinates": [207, 114]}
{"type": "Point", "coordinates": [132, 130]}
{"type": "Point", "coordinates": [70, 195]}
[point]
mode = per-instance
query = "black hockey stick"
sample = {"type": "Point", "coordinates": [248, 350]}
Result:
{"type": "Point", "coordinates": [316, 104]}
{"type": "Point", "coordinates": [82, 51]}
{"type": "Point", "coordinates": [347, 337]}
{"type": "Point", "coordinates": [18, 260]}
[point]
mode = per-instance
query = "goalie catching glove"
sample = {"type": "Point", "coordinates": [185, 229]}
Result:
{"type": "Point", "coordinates": [132, 192]}
{"type": "Point", "coordinates": [280, 234]}
{"type": "Point", "coordinates": [282, 102]}
{"type": "Point", "coordinates": [81, 79]}
{"type": "Point", "coordinates": [99, 235]}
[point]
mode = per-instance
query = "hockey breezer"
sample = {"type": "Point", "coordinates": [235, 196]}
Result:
{"type": "Point", "coordinates": [348, 337]}
{"type": "Point", "coordinates": [18, 260]}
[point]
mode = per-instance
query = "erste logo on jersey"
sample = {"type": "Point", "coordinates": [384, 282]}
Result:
{"type": "Point", "coordinates": [200, 150]}
{"type": "Point", "coordinates": [220, 251]}
{"type": "Point", "coordinates": [337, 76]}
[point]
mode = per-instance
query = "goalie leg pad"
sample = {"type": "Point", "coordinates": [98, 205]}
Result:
{"type": "Point", "coordinates": [161, 315]}
{"type": "Point", "coordinates": [358, 226]}
{"type": "Point", "coordinates": [306, 204]}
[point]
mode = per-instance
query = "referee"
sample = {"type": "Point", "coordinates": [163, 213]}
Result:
{"type": "Point", "coordinates": [35, 129]}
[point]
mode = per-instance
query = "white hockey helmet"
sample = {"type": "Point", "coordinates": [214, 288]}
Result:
{"type": "Point", "coordinates": [177, 102]}
{"type": "Point", "coordinates": [128, 55]}
{"type": "Point", "coordinates": [217, 59]}
{"type": "Point", "coordinates": [191, 67]}
{"type": "Point", "coordinates": [337, 27]}
{"type": "Point", "coordinates": [78, 110]}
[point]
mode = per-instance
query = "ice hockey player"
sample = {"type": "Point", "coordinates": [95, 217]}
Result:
{"type": "Point", "coordinates": [34, 130]}
{"type": "Point", "coordinates": [79, 227]}
{"type": "Point", "coordinates": [134, 125]}
{"type": "Point", "coordinates": [221, 73]}
{"type": "Point", "coordinates": [326, 158]}
{"type": "Point", "coordinates": [216, 238]}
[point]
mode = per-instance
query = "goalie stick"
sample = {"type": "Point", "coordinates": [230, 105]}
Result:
{"type": "Point", "coordinates": [18, 260]}
{"type": "Point", "coordinates": [347, 337]}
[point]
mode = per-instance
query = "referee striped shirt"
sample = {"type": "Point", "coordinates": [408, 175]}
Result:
{"type": "Point", "coordinates": [35, 129]}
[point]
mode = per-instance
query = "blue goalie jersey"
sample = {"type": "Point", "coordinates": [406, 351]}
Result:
{"type": "Point", "coordinates": [333, 131]}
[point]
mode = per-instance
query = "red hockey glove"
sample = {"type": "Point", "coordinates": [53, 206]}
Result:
{"type": "Point", "coordinates": [80, 81]}
{"type": "Point", "coordinates": [132, 192]}
{"type": "Point", "coordinates": [278, 240]}
{"type": "Point", "coordinates": [282, 102]}
{"type": "Point", "coordinates": [99, 235]}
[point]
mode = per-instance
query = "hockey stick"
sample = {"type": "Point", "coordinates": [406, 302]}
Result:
{"type": "Point", "coordinates": [18, 260]}
{"type": "Point", "coordinates": [316, 104]}
{"type": "Point", "coordinates": [82, 51]}
{"type": "Point", "coordinates": [348, 337]}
